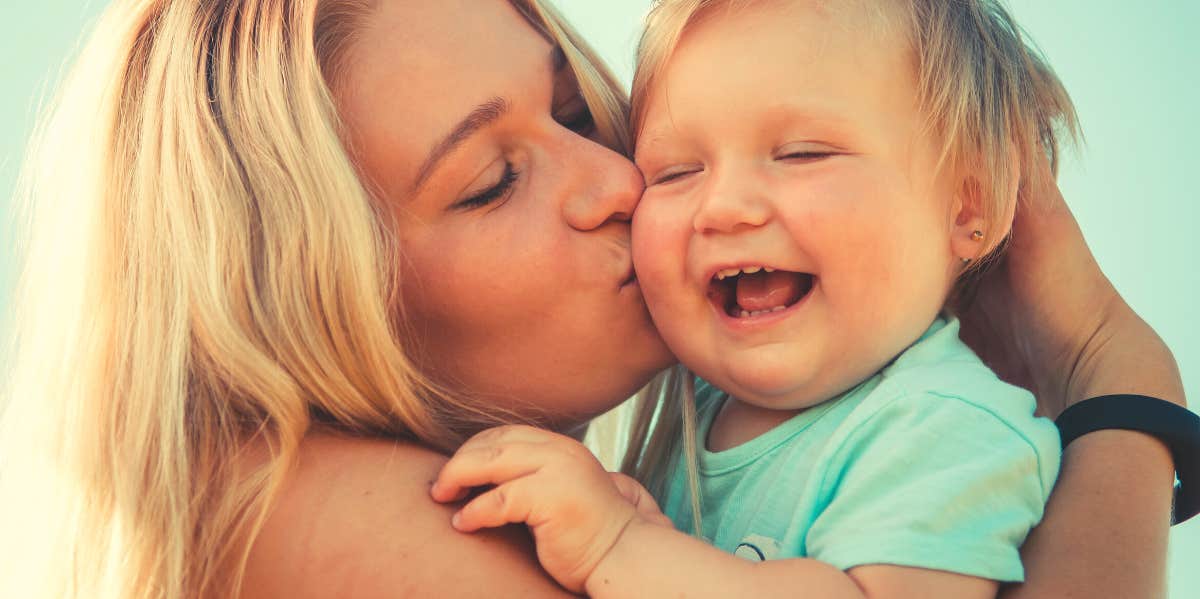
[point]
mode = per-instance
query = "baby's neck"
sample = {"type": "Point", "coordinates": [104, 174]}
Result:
{"type": "Point", "coordinates": [739, 422]}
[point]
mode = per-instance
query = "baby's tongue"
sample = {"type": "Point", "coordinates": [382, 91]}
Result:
{"type": "Point", "coordinates": [768, 290]}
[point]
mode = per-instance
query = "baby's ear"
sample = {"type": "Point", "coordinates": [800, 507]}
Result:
{"type": "Point", "coordinates": [977, 230]}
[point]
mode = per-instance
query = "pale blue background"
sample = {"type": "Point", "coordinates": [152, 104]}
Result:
{"type": "Point", "coordinates": [1131, 67]}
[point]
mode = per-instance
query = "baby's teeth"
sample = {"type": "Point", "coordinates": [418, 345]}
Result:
{"type": "Point", "coordinates": [753, 313]}
{"type": "Point", "coordinates": [733, 272]}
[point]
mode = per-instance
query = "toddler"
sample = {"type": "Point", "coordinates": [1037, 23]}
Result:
{"type": "Point", "coordinates": [821, 175]}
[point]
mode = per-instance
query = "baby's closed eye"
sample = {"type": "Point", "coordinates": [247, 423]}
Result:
{"type": "Point", "coordinates": [671, 174]}
{"type": "Point", "coordinates": [806, 152]}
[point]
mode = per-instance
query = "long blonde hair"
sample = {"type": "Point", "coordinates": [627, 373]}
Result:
{"type": "Point", "coordinates": [203, 268]}
{"type": "Point", "coordinates": [988, 95]}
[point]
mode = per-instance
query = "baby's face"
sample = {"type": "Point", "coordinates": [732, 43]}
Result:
{"type": "Point", "coordinates": [794, 236]}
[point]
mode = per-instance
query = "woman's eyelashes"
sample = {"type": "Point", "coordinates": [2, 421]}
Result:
{"type": "Point", "coordinates": [575, 116]}
{"type": "Point", "coordinates": [500, 190]}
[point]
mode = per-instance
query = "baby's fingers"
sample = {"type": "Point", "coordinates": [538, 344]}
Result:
{"type": "Point", "coordinates": [489, 465]}
{"type": "Point", "coordinates": [508, 434]}
{"type": "Point", "coordinates": [642, 501]}
{"type": "Point", "coordinates": [509, 503]}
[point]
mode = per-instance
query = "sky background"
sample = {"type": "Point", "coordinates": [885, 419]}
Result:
{"type": "Point", "coordinates": [1131, 68]}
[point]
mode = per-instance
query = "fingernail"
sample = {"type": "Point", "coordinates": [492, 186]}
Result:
{"type": "Point", "coordinates": [455, 519]}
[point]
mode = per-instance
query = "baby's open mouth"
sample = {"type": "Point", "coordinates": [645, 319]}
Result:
{"type": "Point", "coordinates": [755, 290]}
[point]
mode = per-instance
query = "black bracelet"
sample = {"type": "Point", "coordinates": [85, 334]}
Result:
{"type": "Point", "coordinates": [1177, 427]}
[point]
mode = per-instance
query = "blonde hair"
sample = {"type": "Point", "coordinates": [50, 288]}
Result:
{"type": "Point", "coordinates": [204, 268]}
{"type": "Point", "coordinates": [989, 96]}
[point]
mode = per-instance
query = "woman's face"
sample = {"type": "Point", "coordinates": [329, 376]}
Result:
{"type": "Point", "coordinates": [516, 274]}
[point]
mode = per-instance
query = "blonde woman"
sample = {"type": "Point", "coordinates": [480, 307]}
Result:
{"type": "Point", "coordinates": [286, 252]}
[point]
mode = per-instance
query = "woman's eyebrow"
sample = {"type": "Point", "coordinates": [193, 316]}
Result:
{"type": "Point", "coordinates": [482, 116]}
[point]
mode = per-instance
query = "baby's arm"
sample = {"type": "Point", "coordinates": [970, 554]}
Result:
{"type": "Point", "coordinates": [604, 535]}
{"type": "Point", "coordinates": [657, 562]}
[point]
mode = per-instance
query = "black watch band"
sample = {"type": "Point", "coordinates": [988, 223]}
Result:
{"type": "Point", "coordinates": [1175, 426]}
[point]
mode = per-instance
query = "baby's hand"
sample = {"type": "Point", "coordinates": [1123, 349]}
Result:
{"type": "Point", "coordinates": [574, 508]}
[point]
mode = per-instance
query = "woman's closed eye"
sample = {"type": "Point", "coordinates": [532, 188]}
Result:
{"type": "Point", "coordinates": [500, 190]}
{"type": "Point", "coordinates": [574, 115]}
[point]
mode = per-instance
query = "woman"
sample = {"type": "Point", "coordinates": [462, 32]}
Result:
{"type": "Point", "coordinates": [305, 245]}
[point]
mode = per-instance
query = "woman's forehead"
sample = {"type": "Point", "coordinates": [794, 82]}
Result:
{"type": "Point", "coordinates": [420, 67]}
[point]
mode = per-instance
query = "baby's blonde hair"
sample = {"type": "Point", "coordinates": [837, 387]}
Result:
{"type": "Point", "coordinates": [986, 94]}
{"type": "Point", "coordinates": [204, 268]}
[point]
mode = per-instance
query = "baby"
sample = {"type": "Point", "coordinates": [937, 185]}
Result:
{"type": "Point", "coordinates": [821, 175]}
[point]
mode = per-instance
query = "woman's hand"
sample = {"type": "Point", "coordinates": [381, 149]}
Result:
{"type": "Point", "coordinates": [1046, 318]}
{"type": "Point", "coordinates": [575, 509]}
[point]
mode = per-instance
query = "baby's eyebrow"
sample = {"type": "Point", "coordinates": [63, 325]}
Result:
{"type": "Point", "coordinates": [655, 140]}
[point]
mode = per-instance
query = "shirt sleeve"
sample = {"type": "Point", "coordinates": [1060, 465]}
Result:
{"type": "Point", "coordinates": [935, 482]}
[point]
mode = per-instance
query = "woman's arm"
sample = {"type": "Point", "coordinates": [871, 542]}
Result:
{"type": "Point", "coordinates": [1048, 319]}
{"type": "Point", "coordinates": [355, 520]}
{"type": "Point", "coordinates": [1105, 530]}
{"type": "Point", "coordinates": [1107, 522]}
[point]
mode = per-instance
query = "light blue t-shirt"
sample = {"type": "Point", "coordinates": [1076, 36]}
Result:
{"type": "Point", "coordinates": [933, 462]}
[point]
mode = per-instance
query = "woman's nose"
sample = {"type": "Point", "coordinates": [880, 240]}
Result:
{"type": "Point", "coordinates": [730, 202]}
{"type": "Point", "coordinates": [609, 190]}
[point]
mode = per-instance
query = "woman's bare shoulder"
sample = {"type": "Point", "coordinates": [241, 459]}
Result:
{"type": "Point", "coordinates": [355, 520]}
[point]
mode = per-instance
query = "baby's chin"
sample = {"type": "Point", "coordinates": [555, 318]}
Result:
{"type": "Point", "coordinates": [774, 384]}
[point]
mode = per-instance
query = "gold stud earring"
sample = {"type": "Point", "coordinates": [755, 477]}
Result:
{"type": "Point", "coordinates": [977, 235]}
